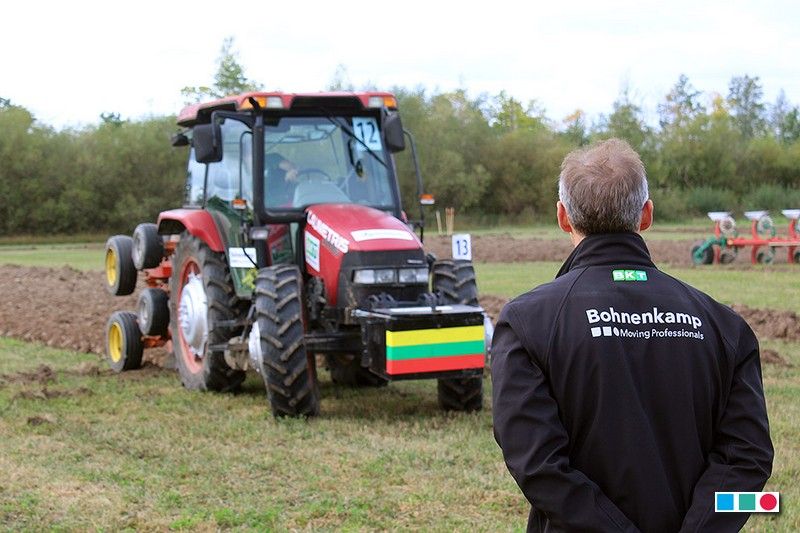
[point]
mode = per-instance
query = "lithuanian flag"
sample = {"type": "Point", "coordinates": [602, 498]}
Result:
{"type": "Point", "coordinates": [434, 350]}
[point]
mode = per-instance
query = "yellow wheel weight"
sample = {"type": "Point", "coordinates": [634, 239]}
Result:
{"type": "Point", "coordinates": [115, 342]}
{"type": "Point", "coordinates": [111, 267]}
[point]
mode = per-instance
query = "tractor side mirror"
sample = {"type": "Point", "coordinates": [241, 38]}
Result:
{"type": "Point", "coordinates": [393, 133]}
{"type": "Point", "coordinates": [206, 141]}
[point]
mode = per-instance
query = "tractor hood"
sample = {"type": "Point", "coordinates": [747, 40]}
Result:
{"type": "Point", "coordinates": [353, 227]}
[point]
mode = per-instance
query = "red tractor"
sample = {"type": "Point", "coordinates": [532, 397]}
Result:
{"type": "Point", "coordinates": [293, 243]}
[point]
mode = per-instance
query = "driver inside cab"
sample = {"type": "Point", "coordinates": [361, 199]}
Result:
{"type": "Point", "coordinates": [281, 177]}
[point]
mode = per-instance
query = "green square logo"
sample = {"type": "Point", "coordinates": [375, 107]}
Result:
{"type": "Point", "coordinates": [747, 502]}
{"type": "Point", "coordinates": [641, 275]}
{"type": "Point", "coordinates": [618, 275]}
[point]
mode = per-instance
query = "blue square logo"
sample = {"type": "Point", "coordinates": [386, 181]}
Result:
{"type": "Point", "coordinates": [724, 502]}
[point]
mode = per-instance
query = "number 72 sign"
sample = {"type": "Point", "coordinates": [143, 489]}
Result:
{"type": "Point", "coordinates": [462, 247]}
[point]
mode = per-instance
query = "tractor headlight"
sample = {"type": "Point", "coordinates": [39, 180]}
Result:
{"type": "Point", "coordinates": [380, 276]}
{"type": "Point", "coordinates": [413, 275]}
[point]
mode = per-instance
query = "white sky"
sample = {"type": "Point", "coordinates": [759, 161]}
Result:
{"type": "Point", "coordinates": [70, 61]}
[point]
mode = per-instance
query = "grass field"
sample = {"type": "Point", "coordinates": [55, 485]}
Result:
{"type": "Point", "coordinates": [83, 256]}
{"type": "Point", "coordinates": [91, 450]}
{"type": "Point", "coordinates": [136, 451]}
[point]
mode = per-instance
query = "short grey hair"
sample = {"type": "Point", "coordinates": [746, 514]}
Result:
{"type": "Point", "coordinates": [603, 188]}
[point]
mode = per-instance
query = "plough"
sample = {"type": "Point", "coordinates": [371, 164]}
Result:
{"type": "Point", "coordinates": [724, 246]}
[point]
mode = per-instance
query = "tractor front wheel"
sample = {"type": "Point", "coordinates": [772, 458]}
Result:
{"type": "Point", "coordinates": [461, 394]}
{"type": "Point", "coordinates": [203, 305]}
{"type": "Point", "coordinates": [289, 374]}
{"type": "Point", "coordinates": [454, 282]}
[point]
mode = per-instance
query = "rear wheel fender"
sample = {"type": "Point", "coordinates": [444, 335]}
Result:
{"type": "Point", "coordinates": [197, 222]}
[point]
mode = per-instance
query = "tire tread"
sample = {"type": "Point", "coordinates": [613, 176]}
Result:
{"type": "Point", "coordinates": [455, 283]}
{"type": "Point", "coordinates": [290, 380]}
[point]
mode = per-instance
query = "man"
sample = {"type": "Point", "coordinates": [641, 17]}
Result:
{"type": "Point", "coordinates": [281, 179]}
{"type": "Point", "coordinates": [624, 398]}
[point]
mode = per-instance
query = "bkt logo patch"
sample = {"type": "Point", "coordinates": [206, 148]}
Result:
{"type": "Point", "coordinates": [629, 275]}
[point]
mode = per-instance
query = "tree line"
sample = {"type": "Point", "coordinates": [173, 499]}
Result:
{"type": "Point", "coordinates": [496, 156]}
{"type": "Point", "coordinates": [487, 156]}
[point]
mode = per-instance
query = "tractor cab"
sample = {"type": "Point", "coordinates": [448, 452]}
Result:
{"type": "Point", "coordinates": [310, 150]}
{"type": "Point", "coordinates": [321, 149]}
{"type": "Point", "coordinates": [293, 244]}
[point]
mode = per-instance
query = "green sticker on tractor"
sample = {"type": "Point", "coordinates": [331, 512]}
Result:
{"type": "Point", "coordinates": [629, 275]}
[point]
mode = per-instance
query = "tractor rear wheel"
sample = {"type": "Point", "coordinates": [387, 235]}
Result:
{"type": "Point", "coordinates": [347, 370]}
{"type": "Point", "coordinates": [203, 305]}
{"type": "Point", "coordinates": [124, 345]}
{"type": "Point", "coordinates": [454, 282]}
{"type": "Point", "coordinates": [289, 374]}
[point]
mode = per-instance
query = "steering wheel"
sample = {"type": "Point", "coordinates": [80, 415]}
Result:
{"type": "Point", "coordinates": [311, 170]}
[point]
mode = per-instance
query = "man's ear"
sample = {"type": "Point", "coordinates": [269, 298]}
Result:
{"type": "Point", "coordinates": [647, 215]}
{"type": "Point", "coordinates": [563, 219]}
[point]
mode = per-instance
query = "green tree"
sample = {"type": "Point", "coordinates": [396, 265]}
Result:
{"type": "Point", "coordinates": [507, 114]}
{"type": "Point", "coordinates": [576, 130]}
{"type": "Point", "coordinates": [111, 118]}
{"type": "Point", "coordinates": [626, 122]}
{"type": "Point", "coordinates": [341, 80]}
{"type": "Point", "coordinates": [451, 131]}
{"type": "Point", "coordinates": [789, 128]}
{"type": "Point", "coordinates": [785, 120]}
{"type": "Point", "coordinates": [747, 108]}
{"type": "Point", "coordinates": [680, 105]}
{"type": "Point", "coordinates": [229, 78]}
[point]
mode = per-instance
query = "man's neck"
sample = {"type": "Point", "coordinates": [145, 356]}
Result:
{"type": "Point", "coordinates": [576, 238]}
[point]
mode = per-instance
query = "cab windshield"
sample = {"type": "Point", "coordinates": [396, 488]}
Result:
{"type": "Point", "coordinates": [311, 160]}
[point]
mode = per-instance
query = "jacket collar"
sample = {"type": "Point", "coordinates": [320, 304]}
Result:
{"type": "Point", "coordinates": [624, 249]}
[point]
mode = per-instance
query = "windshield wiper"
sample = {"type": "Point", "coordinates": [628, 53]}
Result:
{"type": "Point", "coordinates": [352, 135]}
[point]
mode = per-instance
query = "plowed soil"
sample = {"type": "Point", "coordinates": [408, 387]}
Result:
{"type": "Point", "coordinates": [506, 248]}
{"type": "Point", "coordinates": [60, 307]}
{"type": "Point", "coordinates": [67, 308]}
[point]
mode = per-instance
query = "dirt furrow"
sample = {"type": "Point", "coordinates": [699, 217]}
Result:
{"type": "Point", "coordinates": [67, 308]}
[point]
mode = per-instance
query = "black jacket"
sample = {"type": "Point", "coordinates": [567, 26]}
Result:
{"type": "Point", "coordinates": [623, 400]}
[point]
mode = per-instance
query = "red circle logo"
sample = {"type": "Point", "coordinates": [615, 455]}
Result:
{"type": "Point", "coordinates": [768, 502]}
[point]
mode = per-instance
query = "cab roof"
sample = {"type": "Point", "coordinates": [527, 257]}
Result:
{"type": "Point", "coordinates": [201, 112]}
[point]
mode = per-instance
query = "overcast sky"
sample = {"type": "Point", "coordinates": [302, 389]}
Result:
{"type": "Point", "coordinates": [70, 61]}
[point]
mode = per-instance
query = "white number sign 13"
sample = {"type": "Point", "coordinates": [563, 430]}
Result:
{"type": "Point", "coordinates": [462, 247]}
